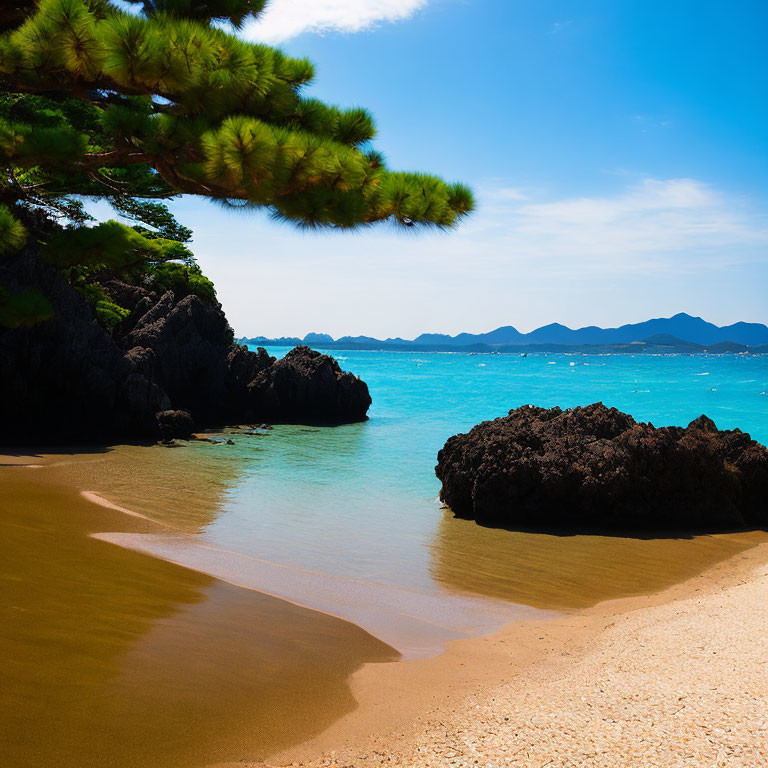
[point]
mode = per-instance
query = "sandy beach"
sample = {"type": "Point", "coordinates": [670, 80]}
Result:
{"type": "Point", "coordinates": [679, 678]}
{"type": "Point", "coordinates": [115, 659]}
{"type": "Point", "coordinates": [674, 678]}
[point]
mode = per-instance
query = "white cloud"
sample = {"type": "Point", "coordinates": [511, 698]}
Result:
{"type": "Point", "coordinates": [656, 224]}
{"type": "Point", "coordinates": [284, 19]}
{"type": "Point", "coordinates": [559, 26]}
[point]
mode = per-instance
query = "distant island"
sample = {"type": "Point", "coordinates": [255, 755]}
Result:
{"type": "Point", "coordinates": [681, 333]}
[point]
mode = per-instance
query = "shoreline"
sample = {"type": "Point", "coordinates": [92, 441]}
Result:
{"type": "Point", "coordinates": [104, 643]}
{"type": "Point", "coordinates": [414, 622]}
{"type": "Point", "coordinates": [546, 693]}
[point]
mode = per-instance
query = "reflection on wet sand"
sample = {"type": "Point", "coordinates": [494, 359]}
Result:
{"type": "Point", "coordinates": [184, 486]}
{"type": "Point", "coordinates": [303, 554]}
{"type": "Point", "coordinates": [113, 658]}
{"type": "Point", "coordinates": [570, 572]}
{"type": "Point", "coordinates": [417, 623]}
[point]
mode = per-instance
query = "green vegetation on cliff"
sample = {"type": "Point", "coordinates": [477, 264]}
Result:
{"type": "Point", "coordinates": [136, 106]}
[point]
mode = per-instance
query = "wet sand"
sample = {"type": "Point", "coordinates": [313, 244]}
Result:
{"type": "Point", "coordinates": [489, 578]}
{"type": "Point", "coordinates": [418, 624]}
{"type": "Point", "coordinates": [567, 572]}
{"type": "Point", "coordinates": [481, 578]}
{"type": "Point", "coordinates": [185, 488]}
{"type": "Point", "coordinates": [678, 678]}
{"type": "Point", "coordinates": [112, 658]}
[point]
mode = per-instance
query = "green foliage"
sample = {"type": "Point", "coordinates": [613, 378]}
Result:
{"type": "Point", "coordinates": [89, 255]}
{"type": "Point", "coordinates": [25, 308]}
{"type": "Point", "coordinates": [111, 246]}
{"type": "Point", "coordinates": [234, 11]}
{"type": "Point", "coordinates": [183, 280]}
{"type": "Point", "coordinates": [12, 232]}
{"type": "Point", "coordinates": [28, 146]}
{"type": "Point", "coordinates": [155, 215]}
{"type": "Point", "coordinates": [134, 108]}
{"type": "Point", "coordinates": [107, 312]}
{"type": "Point", "coordinates": [104, 103]}
{"type": "Point", "coordinates": [54, 177]}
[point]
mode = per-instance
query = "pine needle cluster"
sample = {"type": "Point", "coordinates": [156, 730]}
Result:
{"type": "Point", "coordinates": [165, 101]}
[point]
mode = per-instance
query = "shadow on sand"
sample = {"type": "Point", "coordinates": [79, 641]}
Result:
{"type": "Point", "coordinates": [566, 569]}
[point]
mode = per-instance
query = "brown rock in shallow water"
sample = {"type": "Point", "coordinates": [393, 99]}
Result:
{"type": "Point", "coordinates": [597, 467]}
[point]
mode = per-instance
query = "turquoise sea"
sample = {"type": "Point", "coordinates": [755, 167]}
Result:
{"type": "Point", "coordinates": [347, 520]}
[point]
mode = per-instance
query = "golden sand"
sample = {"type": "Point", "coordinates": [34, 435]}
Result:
{"type": "Point", "coordinates": [113, 658]}
{"type": "Point", "coordinates": [679, 678]}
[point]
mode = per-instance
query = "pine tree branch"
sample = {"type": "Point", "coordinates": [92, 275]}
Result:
{"type": "Point", "coordinates": [113, 159]}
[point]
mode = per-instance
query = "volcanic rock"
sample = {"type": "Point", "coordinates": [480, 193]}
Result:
{"type": "Point", "coordinates": [597, 468]}
{"type": "Point", "coordinates": [175, 424]}
{"type": "Point", "coordinates": [69, 379]}
{"type": "Point", "coordinates": [308, 387]}
{"type": "Point", "coordinates": [191, 340]}
{"type": "Point", "coordinates": [65, 379]}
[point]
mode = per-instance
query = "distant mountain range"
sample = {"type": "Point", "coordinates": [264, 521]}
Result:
{"type": "Point", "coordinates": [679, 333]}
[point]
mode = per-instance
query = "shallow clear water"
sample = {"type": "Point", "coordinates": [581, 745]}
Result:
{"type": "Point", "coordinates": [357, 504]}
{"type": "Point", "coordinates": [368, 490]}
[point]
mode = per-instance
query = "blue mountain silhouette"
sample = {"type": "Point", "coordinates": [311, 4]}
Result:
{"type": "Point", "coordinates": [681, 326]}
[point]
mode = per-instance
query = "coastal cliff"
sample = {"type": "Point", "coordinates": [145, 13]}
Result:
{"type": "Point", "coordinates": [594, 466]}
{"type": "Point", "coordinates": [70, 378]}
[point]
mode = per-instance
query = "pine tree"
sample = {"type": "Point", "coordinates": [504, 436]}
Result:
{"type": "Point", "coordinates": [136, 104]}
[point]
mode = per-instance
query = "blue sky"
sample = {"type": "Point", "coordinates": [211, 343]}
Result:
{"type": "Point", "coordinates": [618, 149]}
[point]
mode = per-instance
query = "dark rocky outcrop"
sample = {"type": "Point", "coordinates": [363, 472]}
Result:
{"type": "Point", "coordinates": [69, 379]}
{"type": "Point", "coordinates": [597, 468]}
{"type": "Point", "coordinates": [243, 366]}
{"type": "Point", "coordinates": [190, 341]}
{"type": "Point", "coordinates": [66, 378]}
{"type": "Point", "coordinates": [309, 387]}
{"type": "Point", "coordinates": [174, 424]}
{"type": "Point", "coordinates": [126, 294]}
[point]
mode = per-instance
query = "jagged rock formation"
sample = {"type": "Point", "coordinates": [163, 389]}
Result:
{"type": "Point", "coordinates": [596, 467]}
{"type": "Point", "coordinates": [306, 386]}
{"type": "Point", "coordinates": [190, 342]}
{"type": "Point", "coordinates": [68, 379]}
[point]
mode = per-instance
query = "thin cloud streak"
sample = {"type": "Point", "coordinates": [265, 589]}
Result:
{"type": "Point", "coordinates": [671, 225]}
{"type": "Point", "coordinates": [284, 19]}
